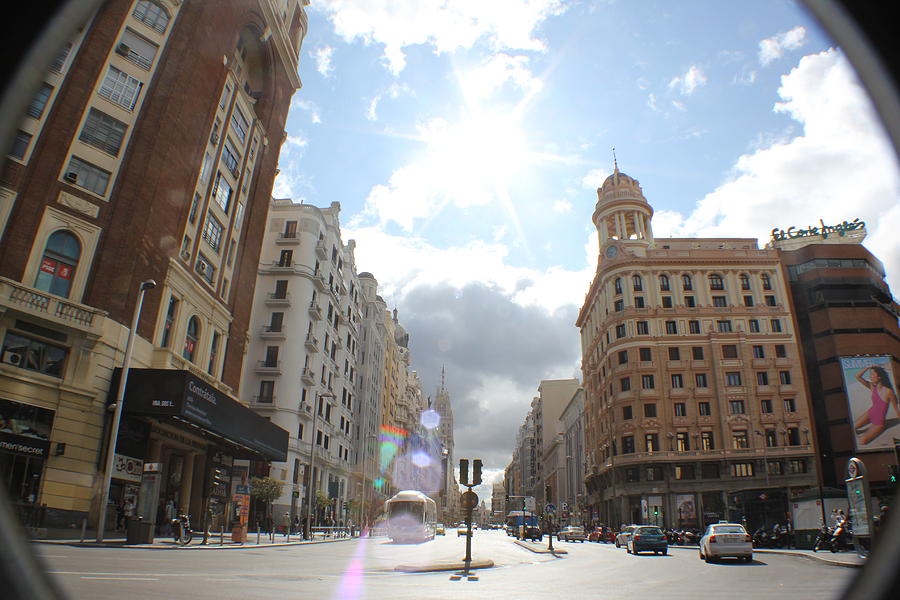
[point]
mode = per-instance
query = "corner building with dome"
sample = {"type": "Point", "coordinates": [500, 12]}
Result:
{"type": "Point", "coordinates": [696, 406]}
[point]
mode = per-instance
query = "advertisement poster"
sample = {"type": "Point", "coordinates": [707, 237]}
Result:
{"type": "Point", "coordinates": [872, 400]}
{"type": "Point", "coordinates": [686, 509]}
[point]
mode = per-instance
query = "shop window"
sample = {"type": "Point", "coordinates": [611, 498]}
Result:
{"type": "Point", "coordinates": [58, 264]}
{"type": "Point", "coordinates": [33, 354]}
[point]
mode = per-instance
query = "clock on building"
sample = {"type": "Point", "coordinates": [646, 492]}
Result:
{"type": "Point", "coordinates": [612, 251]}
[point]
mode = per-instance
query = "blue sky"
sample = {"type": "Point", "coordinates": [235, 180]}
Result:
{"type": "Point", "coordinates": [465, 140]}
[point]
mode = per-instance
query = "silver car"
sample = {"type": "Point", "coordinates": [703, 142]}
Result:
{"type": "Point", "coordinates": [623, 536]}
{"type": "Point", "coordinates": [570, 534]}
{"type": "Point", "coordinates": [726, 539]}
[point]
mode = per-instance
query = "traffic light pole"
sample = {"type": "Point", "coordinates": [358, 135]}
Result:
{"type": "Point", "coordinates": [469, 502]}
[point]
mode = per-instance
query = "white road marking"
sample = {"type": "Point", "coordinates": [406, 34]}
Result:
{"type": "Point", "coordinates": [125, 578]}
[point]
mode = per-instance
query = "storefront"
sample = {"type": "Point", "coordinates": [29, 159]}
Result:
{"type": "Point", "coordinates": [24, 449]}
{"type": "Point", "coordinates": [196, 437]}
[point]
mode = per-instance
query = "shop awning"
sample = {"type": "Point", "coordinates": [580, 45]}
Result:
{"type": "Point", "coordinates": [169, 393]}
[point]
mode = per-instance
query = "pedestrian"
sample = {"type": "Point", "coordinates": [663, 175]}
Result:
{"type": "Point", "coordinates": [171, 513]}
{"type": "Point", "coordinates": [120, 516]}
{"type": "Point", "coordinates": [286, 523]}
{"type": "Point", "coordinates": [296, 524]}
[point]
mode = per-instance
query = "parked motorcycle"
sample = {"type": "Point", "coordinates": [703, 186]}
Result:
{"type": "Point", "coordinates": [842, 537]}
{"type": "Point", "coordinates": [761, 538]}
{"type": "Point", "coordinates": [823, 540]}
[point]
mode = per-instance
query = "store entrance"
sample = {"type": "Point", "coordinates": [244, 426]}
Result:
{"type": "Point", "coordinates": [22, 477]}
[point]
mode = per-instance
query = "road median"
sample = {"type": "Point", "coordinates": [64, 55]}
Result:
{"type": "Point", "coordinates": [540, 549]}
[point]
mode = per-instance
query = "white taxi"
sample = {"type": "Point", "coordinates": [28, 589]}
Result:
{"type": "Point", "coordinates": [726, 539]}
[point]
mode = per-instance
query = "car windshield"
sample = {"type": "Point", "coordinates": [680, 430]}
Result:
{"type": "Point", "coordinates": [300, 283]}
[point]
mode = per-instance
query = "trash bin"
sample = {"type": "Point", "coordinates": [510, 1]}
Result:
{"type": "Point", "coordinates": [139, 532]}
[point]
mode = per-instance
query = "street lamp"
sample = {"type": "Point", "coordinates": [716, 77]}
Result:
{"type": "Point", "coordinates": [120, 401]}
{"type": "Point", "coordinates": [312, 462]}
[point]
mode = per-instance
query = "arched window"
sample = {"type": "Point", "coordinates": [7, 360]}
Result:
{"type": "Point", "coordinates": [745, 281]}
{"type": "Point", "coordinates": [686, 282]}
{"type": "Point", "coordinates": [715, 282]}
{"type": "Point", "coordinates": [618, 285]}
{"type": "Point", "coordinates": [191, 339]}
{"type": "Point", "coordinates": [664, 283]}
{"type": "Point", "coordinates": [152, 15]}
{"type": "Point", "coordinates": [638, 283]}
{"type": "Point", "coordinates": [58, 264]}
{"type": "Point", "coordinates": [766, 281]}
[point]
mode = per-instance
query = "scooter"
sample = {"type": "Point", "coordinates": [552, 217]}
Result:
{"type": "Point", "coordinates": [181, 530]}
{"type": "Point", "coordinates": [823, 540]}
{"type": "Point", "coordinates": [842, 538]}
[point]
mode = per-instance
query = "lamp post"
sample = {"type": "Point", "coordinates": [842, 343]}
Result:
{"type": "Point", "coordinates": [312, 462]}
{"type": "Point", "coordinates": [117, 413]}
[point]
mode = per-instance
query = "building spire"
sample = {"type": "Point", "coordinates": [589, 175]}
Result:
{"type": "Point", "coordinates": [615, 161]}
{"type": "Point", "coordinates": [442, 378]}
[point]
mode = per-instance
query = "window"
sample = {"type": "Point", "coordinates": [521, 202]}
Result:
{"type": "Point", "coordinates": [627, 413]}
{"type": "Point", "coordinates": [120, 88]}
{"type": "Point", "coordinates": [647, 382]}
{"type": "Point", "coordinates": [170, 322]}
{"type": "Point", "coordinates": [720, 301]}
{"type": "Point", "coordinates": [664, 283]}
{"type": "Point", "coordinates": [733, 378]}
{"type": "Point", "coordinates": [39, 102]}
{"type": "Point", "coordinates": [754, 326]}
{"type": "Point", "coordinates": [680, 409]}
{"type": "Point", "coordinates": [618, 285]}
{"type": "Point", "coordinates": [214, 353]}
{"type": "Point", "coordinates": [191, 338]}
{"type": "Point", "coordinates": [771, 438]}
{"type": "Point", "coordinates": [677, 380]}
{"type": "Point", "coordinates": [729, 351]}
{"type": "Point", "coordinates": [639, 302]}
{"type": "Point", "coordinates": [766, 281]}
{"type": "Point", "coordinates": [651, 441]}
{"type": "Point", "coordinates": [280, 289]}
{"type": "Point", "coordinates": [789, 405]}
{"type": "Point", "coordinates": [137, 49]}
{"type": "Point", "coordinates": [700, 380]}
{"type": "Point", "coordinates": [230, 157]}
{"type": "Point", "coordinates": [623, 357]}
{"type": "Point", "coordinates": [709, 470]}
{"type": "Point", "coordinates": [744, 469]}
{"type": "Point", "coordinates": [785, 377]}
{"type": "Point", "coordinates": [697, 352]}
{"type": "Point", "coordinates": [195, 205]}
{"type": "Point", "coordinates": [745, 281]}
{"type": "Point", "coordinates": [654, 474]}
{"type": "Point", "coordinates": [34, 355]}
{"type": "Point", "coordinates": [620, 331]}
{"type": "Point", "coordinates": [267, 392]}
{"type": "Point", "coordinates": [87, 176]}
{"type": "Point", "coordinates": [212, 233]}
{"type": "Point", "coordinates": [704, 409]}
{"type": "Point", "coordinates": [206, 168]}
{"type": "Point", "coordinates": [631, 475]}
{"type": "Point", "coordinates": [239, 124]}
{"type": "Point", "coordinates": [724, 326]}
{"type": "Point", "coordinates": [684, 471]}
{"type": "Point", "coordinates": [58, 264]}
{"type": "Point", "coordinates": [152, 15]}
{"type": "Point", "coordinates": [770, 301]}
{"type": "Point", "coordinates": [759, 352]}
{"type": "Point", "coordinates": [776, 325]}
{"type": "Point", "coordinates": [205, 268]}
{"type": "Point", "coordinates": [20, 144]}
{"type": "Point", "coordinates": [715, 282]}
{"type": "Point", "coordinates": [748, 301]}
{"type": "Point", "coordinates": [739, 439]}
{"type": "Point", "coordinates": [628, 444]}
{"type": "Point", "coordinates": [671, 327]}
{"type": "Point", "coordinates": [762, 378]}
{"type": "Point", "coordinates": [736, 407]}
{"type": "Point", "coordinates": [643, 328]}
{"type": "Point", "coordinates": [650, 411]}
{"type": "Point", "coordinates": [780, 351]}
{"type": "Point", "coordinates": [706, 440]}
{"type": "Point", "coordinates": [690, 302]}
{"type": "Point", "coordinates": [222, 193]}
{"type": "Point", "coordinates": [793, 436]}
{"type": "Point", "coordinates": [645, 354]}
{"type": "Point", "coordinates": [674, 353]}
{"type": "Point", "coordinates": [797, 465]}
{"type": "Point", "coordinates": [638, 283]}
{"type": "Point", "coordinates": [686, 283]}
{"type": "Point", "coordinates": [694, 327]}
{"type": "Point", "coordinates": [619, 305]}
{"type": "Point", "coordinates": [625, 384]}
{"type": "Point", "coordinates": [765, 406]}
{"type": "Point", "coordinates": [226, 95]}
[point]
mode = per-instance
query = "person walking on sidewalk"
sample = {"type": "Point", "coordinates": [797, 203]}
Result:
{"type": "Point", "coordinates": [286, 523]}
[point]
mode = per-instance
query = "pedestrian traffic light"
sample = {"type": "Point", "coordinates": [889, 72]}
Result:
{"type": "Point", "coordinates": [893, 472]}
{"type": "Point", "coordinates": [476, 471]}
{"type": "Point", "coordinates": [549, 492]}
{"type": "Point", "coordinates": [464, 471]}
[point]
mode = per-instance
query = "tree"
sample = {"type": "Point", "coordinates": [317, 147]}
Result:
{"type": "Point", "coordinates": [266, 490]}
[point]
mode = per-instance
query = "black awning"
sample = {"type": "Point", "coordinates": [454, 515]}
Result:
{"type": "Point", "coordinates": [182, 396]}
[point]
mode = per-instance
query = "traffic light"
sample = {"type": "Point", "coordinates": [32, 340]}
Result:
{"type": "Point", "coordinates": [464, 471]}
{"type": "Point", "coordinates": [476, 471]}
{"type": "Point", "coordinates": [217, 478]}
{"type": "Point", "coordinates": [549, 492]}
{"type": "Point", "coordinates": [893, 472]}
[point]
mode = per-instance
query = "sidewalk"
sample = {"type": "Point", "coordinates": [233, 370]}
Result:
{"type": "Point", "coordinates": [215, 542]}
{"type": "Point", "coordinates": [838, 559]}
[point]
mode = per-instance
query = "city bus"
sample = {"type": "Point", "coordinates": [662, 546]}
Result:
{"type": "Point", "coordinates": [517, 519]}
{"type": "Point", "coordinates": [411, 517]}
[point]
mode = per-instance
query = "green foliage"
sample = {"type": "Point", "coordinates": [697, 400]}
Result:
{"type": "Point", "coordinates": [322, 499]}
{"type": "Point", "coordinates": [265, 489]}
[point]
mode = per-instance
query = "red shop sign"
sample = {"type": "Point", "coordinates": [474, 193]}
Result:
{"type": "Point", "coordinates": [48, 265]}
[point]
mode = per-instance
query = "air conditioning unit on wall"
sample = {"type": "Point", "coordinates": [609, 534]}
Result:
{"type": "Point", "coordinates": [12, 357]}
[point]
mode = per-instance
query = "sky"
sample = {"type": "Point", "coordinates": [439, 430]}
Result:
{"type": "Point", "coordinates": [465, 141]}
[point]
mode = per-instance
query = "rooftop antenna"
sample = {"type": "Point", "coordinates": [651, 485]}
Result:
{"type": "Point", "coordinates": [615, 162]}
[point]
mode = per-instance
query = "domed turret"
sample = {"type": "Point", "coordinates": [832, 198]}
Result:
{"type": "Point", "coordinates": [622, 213]}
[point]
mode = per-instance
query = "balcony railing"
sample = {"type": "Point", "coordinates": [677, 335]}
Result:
{"type": "Point", "coordinates": [275, 298]}
{"type": "Point", "coordinates": [268, 366]}
{"type": "Point", "coordinates": [321, 250]}
{"type": "Point", "coordinates": [721, 453]}
{"type": "Point", "coordinates": [312, 343]}
{"type": "Point", "coordinates": [50, 308]}
{"type": "Point", "coordinates": [315, 311]}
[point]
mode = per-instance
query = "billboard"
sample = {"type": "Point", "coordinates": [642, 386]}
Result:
{"type": "Point", "coordinates": [872, 401]}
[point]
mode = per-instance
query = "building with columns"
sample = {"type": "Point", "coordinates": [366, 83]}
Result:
{"type": "Point", "coordinates": [696, 406]}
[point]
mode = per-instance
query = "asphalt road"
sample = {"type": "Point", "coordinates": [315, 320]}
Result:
{"type": "Point", "coordinates": [357, 569]}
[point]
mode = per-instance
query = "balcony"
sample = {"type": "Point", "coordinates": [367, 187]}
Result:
{"type": "Point", "coordinates": [307, 376]}
{"type": "Point", "coordinates": [312, 343]}
{"type": "Point", "coordinates": [268, 367]}
{"type": "Point", "coordinates": [320, 282]}
{"type": "Point", "coordinates": [278, 299]}
{"type": "Point", "coordinates": [282, 265]}
{"type": "Point", "coordinates": [288, 238]}
{"type": "Point", "coordinates": [315, 311]}
{"type": "Point", "coordinates": [270, 332]}
{"type": "Point", "coordinates": [321, 250]}
{"type": "Point", "coordinates": [51, 309]}
{"type": "Point", "coordinates": [264, 402]}
{"type": "Point", "coordinates": [721, 454]}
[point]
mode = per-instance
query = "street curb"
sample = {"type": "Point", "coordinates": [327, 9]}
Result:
{"type": "Point", "coordinates": [835, 563]}
{"type": "Point", "coordinates": [438, 567]}
{"type": "Point", "coordinates": [211, 546]}
{"type": "Point", "coordinates": [540, 549]}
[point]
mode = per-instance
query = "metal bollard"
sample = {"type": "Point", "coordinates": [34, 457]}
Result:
{"type": "Point", "coordinates": [83, 529]}
{"type": "Point", "coordinates": [257, 534]}
{"type": "Point", "coordinates": [222, 535]}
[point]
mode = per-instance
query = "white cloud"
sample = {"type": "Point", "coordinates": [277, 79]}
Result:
{"type": "Point", "coordinates": [690, 81]}
{"type": "Point", "coordinates": [651, 102]}
{"type": "Point", "coordinates": [445, 25]}
{"type": "Point", "coordinates": [745, 77]}
{"type": "Point", "coordinates": [482, 82]}
{"type": "Point", "coordinates": [679, 105]}
{"type": "Point", "coordinates": [394, 91]}
{"type": "Point", "coordinates": [307, 106]}
{"type": "Point", "coordinates": [773, 48]}
{"type": "Point", "coordinates": [595, 178]}
{"type": "Point", "coordinates": [562, 206]}
{"type": "Point", "coordinates": [840, 167]}
{"type": "Point", "coordinates": [322, 56]}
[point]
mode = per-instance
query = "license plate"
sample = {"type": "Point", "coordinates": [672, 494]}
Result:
{"type": "Point", "coordinates": [732, 539]}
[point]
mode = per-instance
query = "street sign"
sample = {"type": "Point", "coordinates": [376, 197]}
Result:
{"type": "Point", "coordinates": [551, 508]}
{"type": "Point", "coordinates": [469, 500]}
{"type": "Point", "coordinates": [565, 506]}
{"type": "Point", "coordinates": [529, 503]}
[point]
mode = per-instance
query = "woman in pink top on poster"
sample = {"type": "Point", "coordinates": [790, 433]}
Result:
{"type": "Point", "coordinates": [883, 396]}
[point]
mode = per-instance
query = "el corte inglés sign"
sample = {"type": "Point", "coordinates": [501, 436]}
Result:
{"type": "Point", "coordinates": [823, 230]}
